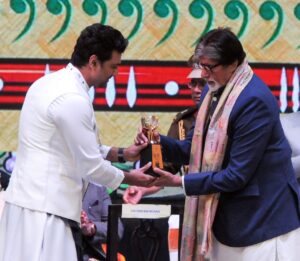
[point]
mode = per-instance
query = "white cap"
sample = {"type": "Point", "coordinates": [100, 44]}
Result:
{"type": "Point", "coordinates": [195, 73]}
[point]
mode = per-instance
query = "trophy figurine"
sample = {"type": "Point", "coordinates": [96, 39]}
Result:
{"type": "Point", "coordinates": [152, 153]}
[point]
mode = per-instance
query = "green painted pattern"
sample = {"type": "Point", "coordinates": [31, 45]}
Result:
{"type": "Point", "coordinates": [268, 10]}
{"type": "Point", "coordinates": [164, 8]}
{"type": "Point", "coordinates": [20, 7]}
{"type": "Point", "coordinates": [197, 9]}
{"type": "Point", "coordinates": [55, 7]}
{"type": "Point", "coordinates": [91, 8]}
{"type": "Point", "coordinates": [126, 8]}
{"type": "Point", "coordinates": [297, 15]}
{"type": "Point", "coordinates": [235, 9]}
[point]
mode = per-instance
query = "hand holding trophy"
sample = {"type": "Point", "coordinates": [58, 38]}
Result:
{"type": "Point", "coordinates": [152, 153]}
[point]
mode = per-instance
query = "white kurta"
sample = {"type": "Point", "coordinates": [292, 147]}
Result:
{"type": "Point", "coordinates": [281, 248]}
{"type": "Point", "coordinates": [34, 236]}
{"type": "Point", "coordinates": [291, 126]}
{"type": "Point", "coordinates": [58, 149]}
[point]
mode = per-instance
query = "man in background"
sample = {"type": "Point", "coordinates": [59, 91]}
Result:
{"type": "Point", "coordinates": [181, 125]}
{"type": "Point", "coordinates": [94, 221]}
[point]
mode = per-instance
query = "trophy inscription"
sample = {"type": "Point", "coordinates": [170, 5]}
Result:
{"type": "Point", "coordinates": [152, 153]}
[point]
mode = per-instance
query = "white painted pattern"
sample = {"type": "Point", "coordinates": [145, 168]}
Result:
{"type": "Point", "coordinates": [283, 90]}
{"type": "Point", "coordinates": [131, 92]}
{"type": "Point", "coordinates": [1, 84]}
{"type": "Point", "coordinates": [171, 88]}
{"type": "Point", "coordinates": [110, 92]}
{"type": "Point", "coordinates": [47, 69]}
{"type": "Point", "coordinates": [295, 95]}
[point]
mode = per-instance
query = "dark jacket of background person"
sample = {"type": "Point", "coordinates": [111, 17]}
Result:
{"type": "Point", "coordinates": [181, 125]}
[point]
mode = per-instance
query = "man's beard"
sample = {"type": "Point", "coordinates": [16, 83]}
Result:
{"type": "Point", "coordinates": [213, 85]}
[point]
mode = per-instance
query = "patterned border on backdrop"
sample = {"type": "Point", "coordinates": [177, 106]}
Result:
{"type": "Point", "coordinates": [141, 85]}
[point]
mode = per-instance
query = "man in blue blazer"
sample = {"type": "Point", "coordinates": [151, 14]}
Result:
{"type": "Point", "coordinates": [258, 214]}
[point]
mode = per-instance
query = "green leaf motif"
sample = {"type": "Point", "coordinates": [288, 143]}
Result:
{"type": "Point", "coordinates": [55, 7]}
{"type": "Point", "coordinates": [163, 8]}
{"type": "Point", "coordinates": [126, 8]}
{"type": "Point", "coordinates": [20, 7]}
{"type": "Point", "coordinates": [268, 10]}
{"type": "Point", "coordinates": [197, 9]}
{"type": "Point", "coordinates": [91, 7]}
{"type": "Point", "coordinates": [297, 15]}
{"type": "Point", "coordinates": [234, 9]}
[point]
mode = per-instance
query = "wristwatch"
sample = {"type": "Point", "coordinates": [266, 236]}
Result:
{"type": "Point", "coordinates": [121, 155]}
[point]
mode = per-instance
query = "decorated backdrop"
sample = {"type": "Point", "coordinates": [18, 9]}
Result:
{"type": "Point", "coordinates": [37, 37]}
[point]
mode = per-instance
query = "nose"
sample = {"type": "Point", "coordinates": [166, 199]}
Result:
{"type": "Point", "coordinates": [204, 73]}
{"type": "Point", "coordinates": [198, 88]}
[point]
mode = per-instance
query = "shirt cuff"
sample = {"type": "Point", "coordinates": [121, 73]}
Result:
{"type": "Point", "coordinates": [118, 179]}
{"type": "Point", "coordinates": [183, 186]}
{"type": "Point", "coordinates": [104, 150]}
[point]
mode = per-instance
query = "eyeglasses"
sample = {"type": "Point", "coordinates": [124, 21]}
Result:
{"type": "Point", "coordinates": [195, 82]}
{"type": "Point", "coordinates": [208, 67]}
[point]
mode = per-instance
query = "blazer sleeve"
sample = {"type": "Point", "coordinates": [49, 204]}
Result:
{"type": "Point", "coordinates": [250, 132]}
{"type": "Point", "coordinates": [176, 151]}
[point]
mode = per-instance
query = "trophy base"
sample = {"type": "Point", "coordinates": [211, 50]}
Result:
{"type": "Point", "coordinates": [152, 153]}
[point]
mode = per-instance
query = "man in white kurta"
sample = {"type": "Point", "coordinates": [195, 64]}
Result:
{"type": "Point", "coordinates": [59, 150]}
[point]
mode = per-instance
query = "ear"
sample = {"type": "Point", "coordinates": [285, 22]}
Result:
{"type": "Point", "coordinates": [93, 61]}
{"type": "Point", "coordinates": [234, 65]}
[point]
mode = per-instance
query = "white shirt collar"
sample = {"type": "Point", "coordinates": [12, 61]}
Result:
{"type": "Point", "coordinates": [79, 76]}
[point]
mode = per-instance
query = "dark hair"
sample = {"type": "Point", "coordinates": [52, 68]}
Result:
{"type": "Point", "coordinates": [191, 61]}
{"type": "Point", "coordinates": [100, 40]}
{"type": "Point", "coordinates": [221, 45]}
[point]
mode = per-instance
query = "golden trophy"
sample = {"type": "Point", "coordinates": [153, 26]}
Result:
{"type": "Point", "coordinates": [152, 153]}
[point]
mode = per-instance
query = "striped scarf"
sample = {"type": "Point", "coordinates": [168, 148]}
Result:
{"type": "Point", "coordinates": [200, 210]}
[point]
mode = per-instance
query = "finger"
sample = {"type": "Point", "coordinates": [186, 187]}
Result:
{"type": "Point", "coordinates": [141, 136]}
{"type": "Point", "coordinates": [147, 166]}
{"type": "Point", "coordinates": [143, 146]}
{"type": "Point", "coordinates": [162, 172]}
{"type": "Point", "coordinates": [158, 182]}
{"type": "Point", "coordinates": [136, 142]}
{"type": "Point", "coordinates": [125, 198]}
{"type": "Point", "coordinates": [134, 201]}
{"type": "Point", "coordinates": [132, 190]}
{"type": "Point", "coordinates": [151, 184]}
{"type": "Point", "coordinates": [159, 171]}
{"type": "Point", "coordinates": [156, 136]}
{"type": "Point", "coordinates": [139, 141]}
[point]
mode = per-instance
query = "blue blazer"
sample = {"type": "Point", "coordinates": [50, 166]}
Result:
{"type": "Point", "coordinates": [259, 196]}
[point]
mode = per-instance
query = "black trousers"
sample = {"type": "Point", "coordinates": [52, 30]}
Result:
{"type": "Point", "coordinates": [77, 236]}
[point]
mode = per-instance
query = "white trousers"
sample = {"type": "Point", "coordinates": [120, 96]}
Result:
{"type": "Point", "coordinates": [1, 202]}
{"type": "Point", "coordinates": [27, 235]}
{"type": "Point", "coordinates": [282, 248]}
